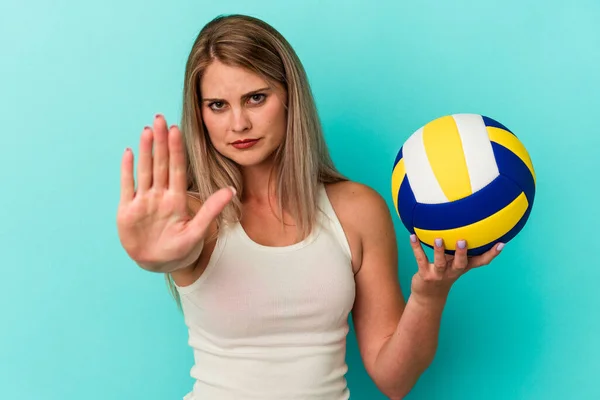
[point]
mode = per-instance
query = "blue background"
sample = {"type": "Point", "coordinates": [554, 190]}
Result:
{"type": "Point", "coordinates": [79, 80]}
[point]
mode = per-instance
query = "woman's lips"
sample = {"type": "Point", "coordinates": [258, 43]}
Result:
{"type": "Point", "coordinates": [244, 144]}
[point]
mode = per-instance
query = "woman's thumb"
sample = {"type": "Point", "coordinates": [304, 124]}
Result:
{"type": "Point", "coordinates": [211, 208]}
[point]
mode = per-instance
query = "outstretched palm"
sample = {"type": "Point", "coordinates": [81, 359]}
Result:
{"type": "Point", "coordinates": [154, 224]}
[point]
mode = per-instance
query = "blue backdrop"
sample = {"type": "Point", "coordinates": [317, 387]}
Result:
{"type": "Point", "coordinates": [78, 81]}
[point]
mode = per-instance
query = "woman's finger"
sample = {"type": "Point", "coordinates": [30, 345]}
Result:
{"type": "Point", "coordinates": [420, 256]}
{"type": "Point", "coordinates": [439, 256]}
{"type": "Point", "coordinates": [160, 164]}
{"type": "Point", "coordinates": [487, 257]}
{"type": "Point", "coordinates": [460, 262]}
{"type": "Point", "coordinates": [144, 169]}
{"type": "Point", "coordinates": [177, 167]}
{"type": "Point", "coordinates": [127, 181]}
{"type": "Point", "coordinates": [213, 206]}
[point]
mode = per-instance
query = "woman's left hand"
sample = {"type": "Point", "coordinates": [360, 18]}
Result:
{"type": "Point", "coordinates": [434, 280]}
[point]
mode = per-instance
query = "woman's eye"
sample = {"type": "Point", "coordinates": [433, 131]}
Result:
{"type": "Point", "coordinates": [257, 98]}
{"type": "Point", "coordinates": [217, 105]}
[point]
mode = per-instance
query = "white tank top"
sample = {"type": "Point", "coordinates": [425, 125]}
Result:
{"type": "Point", "coordinates": [271, 322]}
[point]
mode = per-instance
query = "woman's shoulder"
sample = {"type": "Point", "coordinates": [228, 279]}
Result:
{"type": "Point", "coordinates": [358, 205]}
{"type": "Point", "coordinates": [351, 194]}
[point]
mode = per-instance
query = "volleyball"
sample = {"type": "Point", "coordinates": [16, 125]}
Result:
{"type": "Point", "coordinates": [463, 176]}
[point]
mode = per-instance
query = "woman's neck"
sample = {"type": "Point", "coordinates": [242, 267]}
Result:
{"type": "Point", "coordinates": [259, 183]}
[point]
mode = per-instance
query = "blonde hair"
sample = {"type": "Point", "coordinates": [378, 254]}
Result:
{"type": "Point", "coordinates": [301, 163]}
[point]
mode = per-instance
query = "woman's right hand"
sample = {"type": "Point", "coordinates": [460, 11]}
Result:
{"type": "Point", "coordinates": [154, 223]}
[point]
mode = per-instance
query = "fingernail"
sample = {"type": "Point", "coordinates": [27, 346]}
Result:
{"type": "Point", "coordinates": [462, 244]}
{"type": "Point", "coordinates": [233, 190]}
{"type": "Point", "coordinates": [438, 242]}
{"type": "Point", "coordinates": [158, 116]}
{"type": "Point", "coordinates": [413, 238]}
{"type": "Point", "coordinates": [500, 246]}
{"type": "Point", "coordinates": [127, 149]}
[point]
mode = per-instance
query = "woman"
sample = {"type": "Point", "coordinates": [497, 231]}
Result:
{"type": "Point", "coordinates": [267, 247]}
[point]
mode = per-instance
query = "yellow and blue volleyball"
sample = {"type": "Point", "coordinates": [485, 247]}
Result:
{"type": "Point", "coordinates": [463, 176]}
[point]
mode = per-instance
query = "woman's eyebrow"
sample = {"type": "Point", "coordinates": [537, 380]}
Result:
{"type": "Point", "coordinates": [245, 95]}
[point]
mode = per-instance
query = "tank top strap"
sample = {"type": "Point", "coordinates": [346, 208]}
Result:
{"type": "Point", "coordinates": [331, 221]}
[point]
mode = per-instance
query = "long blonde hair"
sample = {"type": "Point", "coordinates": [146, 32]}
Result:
{"type": "Point", "coordinates": [301, 163]}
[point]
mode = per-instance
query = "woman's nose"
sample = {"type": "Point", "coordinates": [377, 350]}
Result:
{"type": "Point", "coordinates": [240, 121]}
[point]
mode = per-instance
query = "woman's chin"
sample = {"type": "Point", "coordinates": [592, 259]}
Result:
{"type": "Point", "coordinates": [249, 160]}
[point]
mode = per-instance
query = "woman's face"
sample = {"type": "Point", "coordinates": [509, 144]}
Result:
{"type": "Point", "coordinates": [245, 117]}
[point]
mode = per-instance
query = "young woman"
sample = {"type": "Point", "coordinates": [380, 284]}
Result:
{"type": "Point", "coordinates": [266, 246]}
